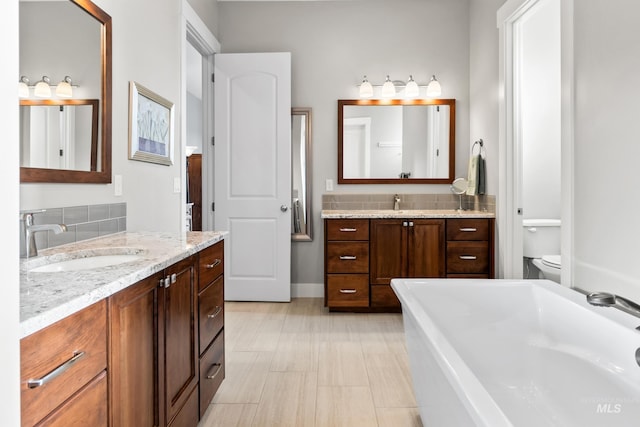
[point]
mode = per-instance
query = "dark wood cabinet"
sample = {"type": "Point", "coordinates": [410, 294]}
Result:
{"type": "Point", "coordinates": [136, 339]}
{"type": "Point", "coordinates": [404, 248]}
{"type": "Point", "coordinates": [63, 368]}
{"type": "Point", "coordinates": [363, 255]}
{"type": "Point", "coordinates": [211, 324]}
{"type": "Point", "coordinates": [153, 338]}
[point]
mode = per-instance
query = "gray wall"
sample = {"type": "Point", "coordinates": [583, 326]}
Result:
{"type": "Point", "coordinates": [332, 48]}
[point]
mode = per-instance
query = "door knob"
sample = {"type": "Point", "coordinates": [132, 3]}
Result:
{"type": "Point", "coordinates": [284, 208]}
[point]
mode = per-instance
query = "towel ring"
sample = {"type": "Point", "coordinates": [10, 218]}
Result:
{"type": "Point", "coordinates": [481, 150]}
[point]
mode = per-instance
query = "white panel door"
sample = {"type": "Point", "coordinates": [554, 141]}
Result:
{"type": "Point", "coordinates": [253, 173]}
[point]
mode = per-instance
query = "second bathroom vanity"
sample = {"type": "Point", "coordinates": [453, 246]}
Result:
{"type": "Point", "coordinates": [366, 248]}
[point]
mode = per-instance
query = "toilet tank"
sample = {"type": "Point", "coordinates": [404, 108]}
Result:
{"type": "Point", "coordinates": [540, 237]}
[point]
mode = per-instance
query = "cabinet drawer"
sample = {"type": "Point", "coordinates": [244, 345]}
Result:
{"type": "Point", "coordinates": [211, 264]}
{"type": "Point", "coordinates": [347, 229]}
{"type": "Point", "coordinates": [467, 257]}
{"type": "Point", "coordinates": [211, 372]}
{"type": "Point", "coordinates": [61, 345]}
{"type": "Point", "coordinates": [348, 290]}
{"type": "Point", "coordinates": [468, 229]}
{"type": "Point", "coordinates": [347, 257]}
{"type": "Point", "coordinates": [88, 407]}
{"type": "Point", "coordinates": [211, 312]}
{"type": "Point", "coordinates": [383, 296]}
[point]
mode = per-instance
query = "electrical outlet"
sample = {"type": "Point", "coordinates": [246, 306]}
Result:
{"type": "Point", "coordinates": [328, 185]}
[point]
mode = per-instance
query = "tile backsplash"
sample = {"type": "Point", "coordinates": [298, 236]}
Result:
{"type": "Point", "coordinates": [83, 222]}
{"type": "Point", "coordinates": [345, 201]}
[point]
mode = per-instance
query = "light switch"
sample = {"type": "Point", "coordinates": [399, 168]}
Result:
{"type": "Point", "coordinates": [176, 185]}
{"type": "Point", "coordinates": [117, 185]}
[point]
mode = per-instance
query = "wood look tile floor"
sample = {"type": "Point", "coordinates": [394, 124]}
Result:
{"type": "Point", "coordinates": [295, 364]}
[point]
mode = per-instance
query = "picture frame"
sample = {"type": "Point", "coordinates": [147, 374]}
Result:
{"type": "Point", "coordinates": [151, 126]}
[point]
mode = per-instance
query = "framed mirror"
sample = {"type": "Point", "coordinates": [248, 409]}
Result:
{"type": "Point", "coordinates": [396, 141]}
{"type": "Point", "coordinates": [301, 221]}
{"type": "Point", "coordinates": [58, 39]}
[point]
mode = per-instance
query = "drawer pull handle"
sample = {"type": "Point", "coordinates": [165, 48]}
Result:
{"type": "Point", "coordinates": [348, 291]}
{"type": "Point", "coordinates": [468, 257]}
{"type": "Point", "coordinates": [57, 371]}
{"type": "Point", "coordinates": [215, 313]}
{"type": "Point", "coordinates": [218, 367]}
{"type": "Point", "coordinates": [215, 263]}
{"type": "Point", "coordinates": [469, 230]}
{"type": "Point", "coordinates": [348, 230]}
{"type": "Point", "coordinates": [348, 257]}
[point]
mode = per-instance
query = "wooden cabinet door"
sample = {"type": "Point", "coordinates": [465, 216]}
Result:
{"type": "Point", "coordinates": [426, 248]}
{"type": "Point", "coordinates": [388, 250]}
{"type": "Point", "coordinates": [180, 335]}
{"type": "Point", "coordinates": [134, 377]}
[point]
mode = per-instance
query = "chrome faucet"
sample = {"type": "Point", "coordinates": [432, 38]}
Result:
{"type": "Point", "coordinates": [396, 202]}
{"type": "Point", "coordinates": [28, 247]}
{"type": "Point", "coordinates": [605, 299]}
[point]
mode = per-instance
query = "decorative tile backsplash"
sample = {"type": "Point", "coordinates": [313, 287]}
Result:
{"type": "Point", "coordinates": [407, 201]}
{"type": "Point", "coordinates": [83, 222]}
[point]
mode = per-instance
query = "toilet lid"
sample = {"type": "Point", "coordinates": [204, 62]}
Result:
{"type": "Point", "coordinates": [552, 261]}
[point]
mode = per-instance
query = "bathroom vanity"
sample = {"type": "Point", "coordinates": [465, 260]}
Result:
{"type": "Point", "coordinates": [135, 343]}
{"type": "Point", "coordinates": [365, 249]}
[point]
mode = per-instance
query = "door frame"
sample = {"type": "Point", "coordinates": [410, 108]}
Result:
{"type": "Point", "coordinates": [510, 155]}
{"type": "Point", "coordinates": [199, 36]}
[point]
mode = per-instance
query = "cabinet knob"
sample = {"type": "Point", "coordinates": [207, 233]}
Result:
{"type": "Point", "coordinates": [468, 257]}
{"type": "Point", "coordinates": [348, 230]}
{"type": "Point", "coordinates": [469, 230]}
{"type": "Point", "coordinates": [348, 257]}
{"type": "Point", "coordinates": [214, 264]}
{"type": "Point", "coordinates": [348, 291]}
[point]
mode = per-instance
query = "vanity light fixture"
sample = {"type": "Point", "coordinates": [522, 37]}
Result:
{"type": "Point", "coordinates": [388, 89]}
{"type": "Point", "coordinates": [42, 89]}
{"type": "Point", "coordinates": [411, 90]}
{"type": "Point", "coordinates": [64, 90]}
{"type": "Point", "coordinates": [434, 89]}
{"type": "Point", "coordinates": [366, 90]}
{"type": "Point", "coordinates": [399, 89]}
{"type": "Point", "coordinates": [23, 87]}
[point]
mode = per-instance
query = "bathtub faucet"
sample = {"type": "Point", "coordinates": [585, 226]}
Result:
{"type": "Point", "coordinates": [605, 299]}
{"type": "Point", "coordinates": [396, 202]}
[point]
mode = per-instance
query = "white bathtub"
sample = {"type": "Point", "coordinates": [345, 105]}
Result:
{"type": "Point", "coordinates": [518, 353]}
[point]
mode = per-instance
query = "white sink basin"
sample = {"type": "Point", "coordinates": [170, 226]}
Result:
{"type": "Point", "coordinates": [87, 263]}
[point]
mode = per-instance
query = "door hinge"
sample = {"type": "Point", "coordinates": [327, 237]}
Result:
{"type": "Point", "coordinates": [61, 152]}
{"type": "Point", "coordinates": [519, 211]}
{"type": "Point", "coordinates": [213, 78]}
{"type": "Point", "coordinates": [213, 206]}
{"type": "Point", "coordinates": [213, 141]}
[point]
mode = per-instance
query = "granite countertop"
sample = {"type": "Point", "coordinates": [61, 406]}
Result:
{"type": "Point", "coordinates": [405, 213]}
{"type": "Point", "coordinates": [48, 297]}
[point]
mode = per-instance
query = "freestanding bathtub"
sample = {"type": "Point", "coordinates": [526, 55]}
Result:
{"type": "Point", "coordinates": [518, 353]}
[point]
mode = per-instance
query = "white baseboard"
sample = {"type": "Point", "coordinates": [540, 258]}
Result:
{"type": "Point", "coordinates": [307, 290]}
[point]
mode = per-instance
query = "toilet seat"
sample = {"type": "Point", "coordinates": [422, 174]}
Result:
{"type": "Point", "coordinates": [552, 261]}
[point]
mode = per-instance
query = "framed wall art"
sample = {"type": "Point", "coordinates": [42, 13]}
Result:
{"type": "Point", "coordinates": [150, 126]}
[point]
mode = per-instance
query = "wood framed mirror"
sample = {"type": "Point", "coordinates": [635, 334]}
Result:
{"type": "Point", "coordinates": [83, 51]}
{"type": "Point", "coordinates": [396, 141]}
{"type": "Point", "coordinates": [301, 161]}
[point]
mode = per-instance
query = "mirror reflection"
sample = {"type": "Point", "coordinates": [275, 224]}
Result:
{"type": "Point", "coordinates": [301, 174]}
{"type": "Point", "coordinates": [59, 134]}
{"type": "Point", "coordinates": [396, 141]}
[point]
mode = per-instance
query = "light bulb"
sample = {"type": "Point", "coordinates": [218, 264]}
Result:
{"type": "Point", "coordinates": [388, 89]}
{"type": "Point", "coordinates": [366, 90]}
{"type": "Point", "coordinates": [42, 89]}
{"type": "Point", "coordinates": [411, 90]}
{"type": "Point", "coordinates": [434, 88]}
{"type": "Point", "coordinates": [64, 90]}
{"type": "Point", "coordinates": [23, 87]}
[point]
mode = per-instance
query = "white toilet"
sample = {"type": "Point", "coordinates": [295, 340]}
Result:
{"type": "Point", "coordinates": [541, 243]}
